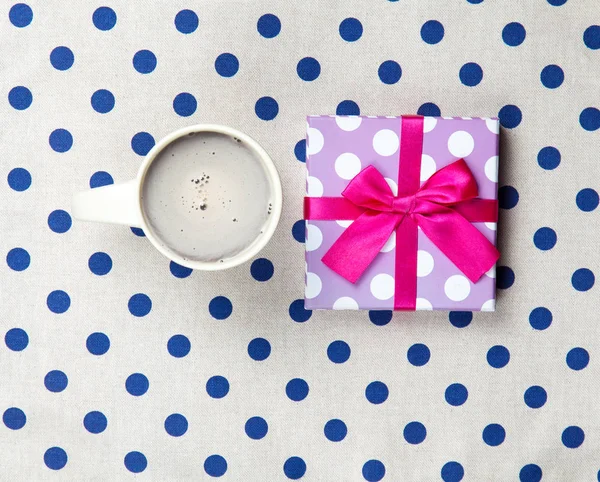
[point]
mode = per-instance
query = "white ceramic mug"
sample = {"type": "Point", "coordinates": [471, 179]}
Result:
{"type": "Point", "coordinates": [122, 203]}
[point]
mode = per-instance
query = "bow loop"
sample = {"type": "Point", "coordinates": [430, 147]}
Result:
{"type": "Point", "coordinates": [431, 207]}
{"type": "Point", "coordinates": [450, 185]}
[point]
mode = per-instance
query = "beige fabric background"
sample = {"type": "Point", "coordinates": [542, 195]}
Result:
{"type": "Point", "coordinates": [103, 60]}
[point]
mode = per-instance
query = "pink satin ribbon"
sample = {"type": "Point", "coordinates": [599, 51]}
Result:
{"type": "Point", "coordinates": [443, 208]}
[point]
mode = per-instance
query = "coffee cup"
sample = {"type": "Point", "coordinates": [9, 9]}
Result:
{"type": "Point", "coordinates": [207, 197]}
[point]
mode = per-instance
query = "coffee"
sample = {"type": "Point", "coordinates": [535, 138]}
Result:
{"type": "Point", "coordinates": [206, 196]}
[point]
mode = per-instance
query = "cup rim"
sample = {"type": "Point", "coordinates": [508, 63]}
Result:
{"type": "Point", "coordinates": [274, 183]}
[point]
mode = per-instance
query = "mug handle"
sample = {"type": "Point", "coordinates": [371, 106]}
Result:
{"type": "Point", "coordinates": [117, 204]}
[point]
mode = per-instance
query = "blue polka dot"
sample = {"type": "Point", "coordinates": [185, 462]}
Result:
{"type": "Point", "coordinates": [259, 349]}
{"type": "Point", "coordinates": [590, 118]}
{"type": "Point", "coordinates": [510, 116]}
{"type": "Point", "coordinates": [390, 72]}
{"type": "Point", "coordinates": [338, 351]}
{"type": "Point", "coordinates": [101, 178]}
{"type": "Point", "coordinates": [58, 301]}
{"type": "Point", "coordinates": [587, 200]}
{"type": "Point", "coordinates": [513, 34]}
{"type": "Point", "coordinates": [217, 386]}
{"type": "Point", "coordinates": [56, 381]}
{"type": "Point", "coordinates": [18, 259]}
{"type": "Point", "coordinates": [139, 304]}
{"type": "Point", "coordinates": [298, 313]}
{"type": "Point", "coordinates": [530, 473]}
{"type": "Point", "coordinates": [335, 430]}
{"type": "Point", "coordinates": [578, 358]}
{"type": "Point", "coordinates": [583, 279]}
{"type": "Point", "coordinates": [215, 465]}
{"type": "Point", "coordinates": [141, 143]}
{"type": "Point", "coordinates": [452, 472]}
{"type": "Point", "coordinates": [227, 65]}
{"type": "Point", "coordinates": [20, 97]}
{"type": "Point", "coordinates": [508, 197]}
{"type": "Point", "coordinates": [20, 15]}
{"type": "Point", "coordinates": [62, 58]}
{"type": "Point", "coordinates": [456, 394]}
{"type": "Point", "coordinates": [347, 107]}
{"type": "Point", "coordinates": [432, 32]}
{"type": "Point", "coordinates": [540, 318]}
{"type": "Point", "coordinates": [557, 3]}
{"type": "Point", "coordinates": [220, 307]}
{"type": "Point", "coordinates": [266, 108]}
{"type": "Point", "coordinates": [544, 238]}
{"type": "Point", "coordinates": [95, 422]}
{"type": "Point", "coordinates": [59, 221]}
{"type": "Point", "coordinates": [415, 432]}
{"type": "Point", "coordinates": [380, 317]}
{"type": "Point", "coordinates": [470, 74]}
{"type": "Point", "coordinates": [179, 346]}
{"type": "Point", "coordinates": [60, 140]}
{"type": "Point", "coordinates": [19, 179]}
{"type": "Point", "coordinates": [179, 271]}
{"type": "Point", "coordinates": [351, 29]}
{"type": "Point", "coordinates": [97, 343]}
{"type": "Point", "coordinates": [429, 109]}
{"type": "Point", "coordinates": [176, 425]}
{"type": "Point", "coordinates": [16, 339]}
{"type": "Point", "coordinates": [294, 468]}
{"type": "Point", "coordinates": [591, 37]}
{"type": "Point", "coordinates": [552, 76]}
{"type": "Point", "coordinates": [308, 69]}
{"type": "Point", "coordinates": [498, 356]}
{"type": "Point", "coordinates": [184, 104]}
{"type": "Point", "coordinates": [268, 25]}
{"type": "Point", "coordinates": [261, 269]}
{"type": "Point", "coordinates": [256, 428]}
{"type": "Point", "coordinates": [135, 462]}
{"type": "Point", "coordinates": [144, 61]}
{"type": "Point", "coordinates": [138, 232]}
{"type": "Point", "coordinates": [377, 392]}
{"type": "Point", "coordinates": [104, 18]}
{"type": "Point", "coordinates": [475, 2]}
{"type": "Point", "coordinates": [14, 418]}
{"type": "Point", "coordinates": [460, 319]}
{"type": "Point", "coordinates": [55, 458]}
{"type": "Point", "coordinates": [572, 437]}
{"type": "Point", "coordinates": [418, 354]}
{"type": "Point", "coordinates": [494, 434]}
{"type": "Point", "coordinates": [100, 263]}
{"type": "Point", "coordinates": [300, 150]}
{"type": "Point", "coordinates": [299, 231]}
{"type": "Point", "coordinates": [548, 158]}
{"type": "Point", "coordinates": [373, 470]}
{"type": "Point", "coordinates": [137, 384]}
{"type": "Point", "coordinates": [296, 389]}
{"type": "Point", "coordinates": [535, 397]}
{"type": "Point", "coordinates": [186, 21]}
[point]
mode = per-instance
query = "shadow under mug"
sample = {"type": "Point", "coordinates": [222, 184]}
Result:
{"type": "Point", "coordinates": [121, 203]}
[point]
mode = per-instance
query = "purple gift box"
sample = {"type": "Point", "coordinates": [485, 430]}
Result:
{"type": "Point", "coordinates": [337, 149]}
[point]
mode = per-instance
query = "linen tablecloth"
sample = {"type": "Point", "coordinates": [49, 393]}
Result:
{"type": "Point", "coordinates": [115, 362]}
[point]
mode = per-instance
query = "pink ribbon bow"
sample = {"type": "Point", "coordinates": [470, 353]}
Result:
{"type": "Point", "coordinates": [443, 208]}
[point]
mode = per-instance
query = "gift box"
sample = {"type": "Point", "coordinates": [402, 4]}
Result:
{"type": "Point", "coordinates": [401, 213]}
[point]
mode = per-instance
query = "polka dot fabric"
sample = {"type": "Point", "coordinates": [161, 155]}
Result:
{"type": "Point", "coordinates": [338, 148]}
{"type": "Point", "coordinates": [116, 364]}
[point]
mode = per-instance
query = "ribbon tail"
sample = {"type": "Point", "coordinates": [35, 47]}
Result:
{"type": "Point", "coordinates": [460, 241]}
{"type": "Point", "coordinates": [356, 248]}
